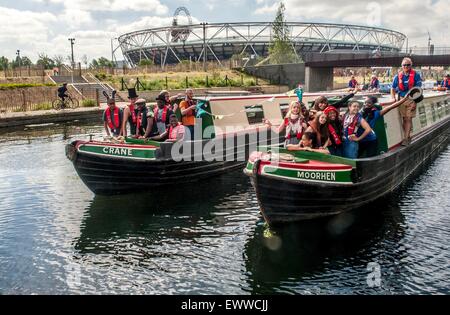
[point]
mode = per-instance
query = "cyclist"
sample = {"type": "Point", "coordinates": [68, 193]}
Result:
{"type": "Point", "coordinates": [62, 93]}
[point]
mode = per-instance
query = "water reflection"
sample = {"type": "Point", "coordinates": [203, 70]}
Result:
{"type": "Point", "coordinates": [204, 238]}
{"type": "Point", "coordinates": [286, 258]}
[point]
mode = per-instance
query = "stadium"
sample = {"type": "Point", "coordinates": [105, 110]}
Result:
{"type": "Point", "coordinates": [220, 41]}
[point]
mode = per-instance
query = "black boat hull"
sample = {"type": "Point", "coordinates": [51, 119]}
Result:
{"type": "Point", "coordinates": [284, 200]}
{"type": "Point", "coordinates": [110, 175]}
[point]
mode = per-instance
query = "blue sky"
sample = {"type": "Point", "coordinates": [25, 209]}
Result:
{"type": "Point", "coordinates": [35, 26]}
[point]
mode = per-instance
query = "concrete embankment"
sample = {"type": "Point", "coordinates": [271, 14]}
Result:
{"type": "Point", "coordinates": [10, 120]}
{"type": "Point", "coordinates": [17, 119]}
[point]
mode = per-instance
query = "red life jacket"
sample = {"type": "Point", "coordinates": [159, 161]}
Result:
{"type": "Point", "coordinates": [401, 86]}
{"type": "Point", "coordinates": [164, 114]}
{"type": "Point", "coordinates": [373, 82]}
{"type": "Point", "coordinates": [113, 124]}
{"type": "Point", "coordinates": [299, 133]}
{"type": "Point", "coordinates": [139, 122]}
{"type": "Point", "coordinates": [133, 113]}
{"type": "Point", "coordinates": [336, 139]}
{"type": "Point", "coordinates": [353, 83]}
{"type": "Point", "coordinates": [352, 127]}
{"type": "Point", "coordinates": [446, 83]}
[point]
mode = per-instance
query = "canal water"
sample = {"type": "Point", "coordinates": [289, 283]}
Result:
{"type": "Point", "coordinates": [56, 237]}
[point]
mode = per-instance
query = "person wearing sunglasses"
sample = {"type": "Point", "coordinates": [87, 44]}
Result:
{"type": "Point", "coordinates": [404, 81]}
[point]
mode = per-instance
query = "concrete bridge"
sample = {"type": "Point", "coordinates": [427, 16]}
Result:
{"type": "Point", "coordinates": [316, 72]}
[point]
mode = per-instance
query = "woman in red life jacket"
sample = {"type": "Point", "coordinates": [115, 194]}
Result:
{"type": "Point", "coordinates": [307, 144]}
{"type": "Point", "coordinates": [294, 124]}
{"type": "Point", "coordinates": [335, 130]}
{"type": "Point", "coordinates": [174, 133]}
{"type": "Point", "coordinates": [352, 121]}
{"type": "Point", "coordinates": [130, 114]}
{"type": "Point", "coordinates": [319, 126]}
{"type": "Point", "coordinates": [112, 118]}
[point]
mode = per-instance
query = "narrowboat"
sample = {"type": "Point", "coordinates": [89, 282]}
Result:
{"type": "Point", "coordinates": [230, 129]}
{"type": "Point", "coordinates": [300, 185]}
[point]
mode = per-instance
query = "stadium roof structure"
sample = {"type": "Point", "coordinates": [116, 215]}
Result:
{"type": "Point", "coordinates": [220, 41]}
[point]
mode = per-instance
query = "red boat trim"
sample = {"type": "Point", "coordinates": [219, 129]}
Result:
{"type": "Point", "coordinates": [149, 147]}
{"type": "Point", "coordinates": [310, 166]}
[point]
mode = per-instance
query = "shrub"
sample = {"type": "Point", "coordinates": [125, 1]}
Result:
{"type": "Point", "coordinates": [42, 106]}
{"type": "Point", "coordinates": [89, 103]}
{"type": "Point", "coordinates": [101, 76]}
{"type": "Point", "coordinates": [12, 86]}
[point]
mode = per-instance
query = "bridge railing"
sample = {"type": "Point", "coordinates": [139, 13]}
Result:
{"type": "Point", "coordinates": [427, 51]}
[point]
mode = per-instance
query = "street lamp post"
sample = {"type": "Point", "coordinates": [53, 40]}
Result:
{"type": "Point", "coordinates": [72, 42]}
{"type": "Point", "coordinates": [205, 50]}
{"type": "Point", "coordinates": [20, 61]}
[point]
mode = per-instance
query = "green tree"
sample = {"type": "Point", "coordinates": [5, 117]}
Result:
{"type": "Point", "coordinates": [4, 62]}
{"type": "Point", "coordinates": [281, 49]}
{"type": "Point", "coordinates": [145, 62]}
{"type": "Point", "coordinates": [25, 62]}
{"type": "Point", "coordinates": [59, 60]}
{"type": "Point", "coordinates": [101, 62]}
{"type": "Point", "coordinates": [45, 61]}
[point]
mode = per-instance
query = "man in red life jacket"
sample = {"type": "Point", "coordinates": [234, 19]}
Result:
{"type": "Point", "coordinates": [374, 83]}
{"type": "Point", "coordinates": [112, 118]}
{"type": "Point", "coordinates": [162, 114]}
{"type": "Point", "coordinates": [169, 100]}
{"type": "Point", "coordinates": [353, 83]}
{"type": "Point", "coordinates": [446, 82]}
{"type": "Point", "coordinates": [174, 133]}
{"type": "Point", "coordinates": [403, 82]}
{"type": "Point", "coordinates": [130, 114]}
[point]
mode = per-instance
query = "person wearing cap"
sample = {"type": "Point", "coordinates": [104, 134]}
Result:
{"type": "Point", "coordinates": [162, 113]}
{"type": "Point", "coordinates": [446, 82]}
{"type": "Point", "coordinates": [112, 118]}
{"type": "Point", "coordinates": [130, 114]}
{"type": "Point", "coordinates": [145, 125]}
{"type": "Point", "coordinates": [374, 83]}
{"type": "Point", "coordinates": [187, 107]}
{"type": "Point", "coordinates": [404, 81]}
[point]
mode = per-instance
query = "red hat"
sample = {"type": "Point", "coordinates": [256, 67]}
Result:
{"type": "Point", "coordinates": [330, 109]}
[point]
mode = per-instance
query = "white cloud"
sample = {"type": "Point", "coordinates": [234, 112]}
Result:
{"type": "Point", "coordinates": [24, 26]}
{"type": "Point", "coordinates": [411, 17]}
{"type": "Point", "coordinates": [154, 6]}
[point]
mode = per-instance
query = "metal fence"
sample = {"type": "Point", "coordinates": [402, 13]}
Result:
{"type": "Point", "coordinates": [27, 99]}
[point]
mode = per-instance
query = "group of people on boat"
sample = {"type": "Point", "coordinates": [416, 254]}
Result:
{"type": "Point", "coordinates": [160, 124]}
{"type": "Point", "coordinates": [323, 129]}
{"type": "Point", "coordinates": [374, 84]}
